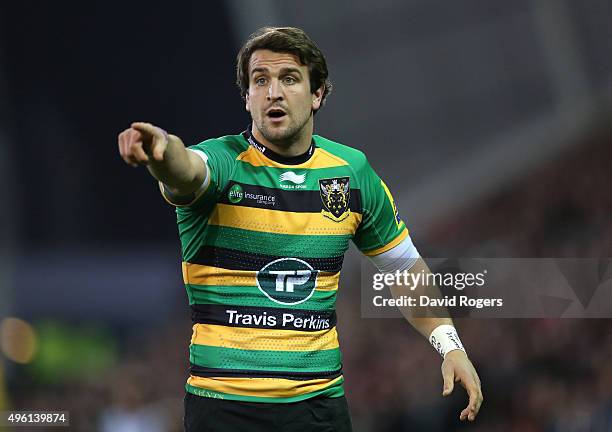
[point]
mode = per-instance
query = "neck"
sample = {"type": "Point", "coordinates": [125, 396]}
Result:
{"type": "Point", "coordinates": [290, 147]}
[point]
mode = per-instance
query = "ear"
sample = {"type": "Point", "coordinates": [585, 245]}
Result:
{"type": "Point", "coordinates": [247, 103]}
{"type": "Point", "coordinates": [317, 97]}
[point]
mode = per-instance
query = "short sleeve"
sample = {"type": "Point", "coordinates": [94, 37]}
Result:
{"type": "Point", "coordinates": [381, 227]}
{"type": "Point", "coordinates": [219, 162]}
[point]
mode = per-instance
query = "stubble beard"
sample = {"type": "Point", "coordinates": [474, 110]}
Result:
{"type": "Point", "coordinates": [283, 137]}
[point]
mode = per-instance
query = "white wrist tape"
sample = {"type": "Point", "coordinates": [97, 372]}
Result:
{"type": "Point", "coordinates": [444, 339]}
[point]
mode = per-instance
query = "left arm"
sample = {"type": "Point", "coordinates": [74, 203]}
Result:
{"type": "Point", "coordinates": [384, 238]}
{"type": "Point", "coordinates": [456, 366]}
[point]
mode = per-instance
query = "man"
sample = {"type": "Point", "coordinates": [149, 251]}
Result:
{"type": "Point", "coordinates": [264, 218]}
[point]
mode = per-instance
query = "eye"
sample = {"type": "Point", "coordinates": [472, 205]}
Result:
{"type": "Point", "coordinates": [260, 81]}
{"type": "Point", "coordinates": [289, 80]}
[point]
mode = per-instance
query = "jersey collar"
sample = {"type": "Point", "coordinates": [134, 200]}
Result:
{"type": "Point", "coordinates": [269, 153]}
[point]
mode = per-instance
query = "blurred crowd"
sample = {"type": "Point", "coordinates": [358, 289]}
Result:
{"type": "Point", "coordinates": [143, 391]}
{"type": "Point", "coordinates": [538, 375]}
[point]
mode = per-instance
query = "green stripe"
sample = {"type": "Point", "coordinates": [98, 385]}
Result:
{"type": "Point", "coordinates": [287, 245]}
{"type": "Point", "coordinates": [252, 296]}
{"type": "Point", "coordinates": [261, 360]}
{"type": "Point", "coordinates": [335, 390]}
{"type": "Point", "coordinates": [269, 176]}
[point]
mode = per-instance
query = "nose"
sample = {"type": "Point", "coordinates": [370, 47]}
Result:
{"type": "Point", "coordinates": [275, 90]}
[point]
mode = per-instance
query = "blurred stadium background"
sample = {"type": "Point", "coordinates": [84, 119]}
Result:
{"type": "Point", "coordinates": [490, 121]}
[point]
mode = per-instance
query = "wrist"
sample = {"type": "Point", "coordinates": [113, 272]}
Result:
{"type": "Point", "coordinates": [445, 339]}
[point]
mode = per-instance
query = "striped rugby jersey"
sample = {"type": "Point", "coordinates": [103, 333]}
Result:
{"type": "Point", "coordinates": [262, 247]}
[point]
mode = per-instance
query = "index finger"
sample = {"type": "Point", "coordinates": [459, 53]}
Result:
{"type": "Point", "coordinates": [148, 128]}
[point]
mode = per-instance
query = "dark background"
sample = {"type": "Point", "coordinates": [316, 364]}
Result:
{"type": "Point", "coordinates": [489, 122]}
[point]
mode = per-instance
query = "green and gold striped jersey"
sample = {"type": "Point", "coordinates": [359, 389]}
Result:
{"type": "Point", "coordinates": [263, 245]}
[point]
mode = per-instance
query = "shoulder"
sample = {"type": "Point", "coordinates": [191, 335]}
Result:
{"type": "Point", "coordinates": [228, 145]}
{"type": "Point", "coordinates": [353, 157]}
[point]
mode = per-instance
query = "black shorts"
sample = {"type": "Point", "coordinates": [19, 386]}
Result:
{"type": "Point", "coordinates": [318, 414]}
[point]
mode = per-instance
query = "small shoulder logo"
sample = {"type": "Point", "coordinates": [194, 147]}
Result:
{"type": "Point", "coordinates": [398, 220]}
{"type": "Point", "coordinates": [335, 194]}
{"type": "Point", "coordinates": [292, 177]}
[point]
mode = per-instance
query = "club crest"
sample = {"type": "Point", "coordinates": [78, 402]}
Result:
{"type": "Point", "coordinates": [335, 194]}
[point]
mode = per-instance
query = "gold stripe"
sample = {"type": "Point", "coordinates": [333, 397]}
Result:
{"type": "Point", "coordinates": [198, 274]}
{"type": "Point", "coordinates": [388, 192]}
{"type": "Point", "coordinates": [263, 387]}
{"type": "Point", "coordinates": [329, 160]}
{"type": "Point", "coordinates": [320, 159]}
{"type": "Point", "coordinates": [264, 339]}
{"type": "Point", "coordinates": [207, 275]}
{"type": "Point", "coordinates": [282, 222]}
{"type": "Point", "coordinates": [397, 240]}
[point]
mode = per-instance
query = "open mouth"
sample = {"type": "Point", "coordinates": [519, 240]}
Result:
{"type": "Point", "coordinates": [276, 113]}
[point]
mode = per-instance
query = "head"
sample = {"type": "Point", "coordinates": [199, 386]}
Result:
{"type": "Point", "coordinates": [283, 78]}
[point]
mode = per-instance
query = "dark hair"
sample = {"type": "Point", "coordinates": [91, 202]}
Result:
{"type": "Point", "coordinates": [284, 40]}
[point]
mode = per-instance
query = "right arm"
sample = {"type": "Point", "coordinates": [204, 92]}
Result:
{"type": "Point", "coordinates": [181, 171]}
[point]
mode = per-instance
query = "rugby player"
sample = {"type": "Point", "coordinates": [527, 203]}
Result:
{"type": "Point", "coordinates": [265, 217]}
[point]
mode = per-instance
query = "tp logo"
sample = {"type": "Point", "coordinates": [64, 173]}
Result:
{"type": "Point", "coordinates": [289, 278]}
{"type": "Point", "coordinates": [287, 281]}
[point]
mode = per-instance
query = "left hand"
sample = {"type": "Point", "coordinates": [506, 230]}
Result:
{"type": "Point", "coordinates": [457, 367]}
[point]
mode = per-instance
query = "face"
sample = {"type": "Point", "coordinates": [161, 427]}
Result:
{"type": "Point", "coordinates": [279, 97]}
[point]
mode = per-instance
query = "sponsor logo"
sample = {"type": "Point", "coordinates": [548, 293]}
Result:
{"type": "Point", "coordinates": [301, 321]}
{"type": "Point", "coordinates": [257, 146]}
{"type": "Point", "coordinates": [235, 194]}
{"type": "Point", "coordinates": [335, 194]}
{"type": "Point", "coordinates": [287, 281]}
{"type": "Point", "coordinates": [291, 177]}
{"type": "Point", "coordinates": [260, 198]}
